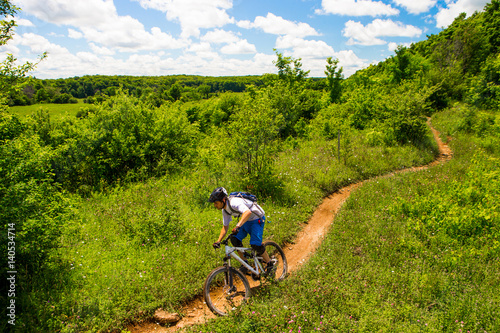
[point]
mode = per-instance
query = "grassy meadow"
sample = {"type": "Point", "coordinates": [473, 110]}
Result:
{"type": "Point", "coordinates": [56, 110]}
{"type": "Point", "coordinates": [108, 277]}
{"type": "Point", "coordinates": [414, 252]}
{"type": "Point", "coordinates": [107, 214]}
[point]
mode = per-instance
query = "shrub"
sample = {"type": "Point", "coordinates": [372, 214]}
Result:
{"type": "Point", "coordinates": [462, 215]}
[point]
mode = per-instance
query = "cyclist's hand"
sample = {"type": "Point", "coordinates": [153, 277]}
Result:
{"type": "Point", "coordinates": [216, 245]}
{"type": "Point", "coordinates": [235, 230]}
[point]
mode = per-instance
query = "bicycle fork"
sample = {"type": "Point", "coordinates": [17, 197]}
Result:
{"type": "Point", "coordinates": [229, 280]}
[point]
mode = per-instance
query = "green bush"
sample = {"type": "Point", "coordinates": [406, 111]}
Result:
{"type": "Point", "coordinates": [120, 141]}
{"type": "Point", "coordinates": [464, 216]}
{"type": "Point", "coordinates": [32, 209]}
{"type": "Point", "coordinates": [252, 138]}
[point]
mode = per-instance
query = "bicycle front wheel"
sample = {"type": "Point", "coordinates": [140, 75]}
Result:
{"type": "Point", "coordinates": [226, 289]}
{"type": "Point", "coordinates": [278, 257]}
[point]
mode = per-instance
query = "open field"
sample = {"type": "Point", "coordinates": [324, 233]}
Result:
{"type": "Point", "coordinates": [55, 110]}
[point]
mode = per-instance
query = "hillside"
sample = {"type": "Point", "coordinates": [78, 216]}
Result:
{"type": "Point", "coordinates": [108, 211]}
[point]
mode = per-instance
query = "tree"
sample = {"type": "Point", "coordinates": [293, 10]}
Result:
{"type": "Point", "coordinates": [253, 132]}
{"type": "Point", "coordinates": [10, 73]}
{"type": "Point", "coordinates": [334, 78]}
{"type": "Point", "coordinates": [204, 90]}
{"type": "Point", "coordinates": [401, 69]}
{"type": "Point", "coordinates": [175, 91]}
{"type": "Point", "coordinates": [7, 10]}
{"type": "Point", "coordinates": [290, 69]}
{"type": "Point", "coordinates": [492, 20]}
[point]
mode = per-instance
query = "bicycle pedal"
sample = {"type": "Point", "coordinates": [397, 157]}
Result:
{"type": "Point", "coordinates": [270, 268]}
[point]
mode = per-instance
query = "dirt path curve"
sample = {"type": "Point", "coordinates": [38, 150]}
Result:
{"type": "Point", "coordinates": [307, 240]}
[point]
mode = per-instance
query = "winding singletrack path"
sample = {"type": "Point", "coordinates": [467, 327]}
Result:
{"type": "Point", "coordinates": [307, 241]}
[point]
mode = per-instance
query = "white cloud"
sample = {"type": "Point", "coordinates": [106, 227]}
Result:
{"type": "Point", "coordinates": [87, 57]}
{"type": "Point", "coordinates": [305, 48]}
{"type": "Point", "coordinates": [54, 34]}
{"type": "Point", "coordinates": [74, 13]}
{"type": "Point", "coordinates": [24, 23]}
{"type": "Point", "coordinates": [101, 50]}
{"type": "Point", "coordinates": [85, 63]}
{"type": "Point", "coordinates": [357, 8]}
{"type": "Point", "coordinates": [416, 7]}
{"type": "Point", "coordinates": [200, 59]}
{"type": "Point", "coordinates": [234, 45]}
{"type": "Point", "coordinates": [127, 38]}
{"type": "Point", "coordinates": [368, 35]}
{"type": "Point", "coordinates": [445, 16]}
{"type": "Point", "coordinates": [392, 46]}
{"type": "Point", "coordinates": [313, 54]}
{"type": "Point", "coordinates": [99, 22]}
{"type": "Point", "coordinates": [219, 36]}
{"type": "Point", "coordinates": [193, 14]}
{"type": "Point", "coordinates": [39, 44]}
{"type": "Point", "coordinates": [348, 58]}
{"type": "Point", "coordinates": [277, 25]}
{"type": "Point", "coordinates": [200, 47]}
{"type": "Point", "coordinates": [72, 33]}
{"type": "Point", "coordinates": [10, 48]}
{"type": "Point", "coordinates": [59, 63]}
{"type": "Point", "coordinates": [245, 24]}
{"type": "Point", "coordinates": [239, 47]}
{"type": "Point", "coordinates": [201, 50]}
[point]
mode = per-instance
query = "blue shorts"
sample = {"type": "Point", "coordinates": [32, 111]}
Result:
{"type": "Point", "coordinates": [255, 228]}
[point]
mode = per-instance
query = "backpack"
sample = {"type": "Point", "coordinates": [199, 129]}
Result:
{"type": "Point", "coordinates": [244, 195]}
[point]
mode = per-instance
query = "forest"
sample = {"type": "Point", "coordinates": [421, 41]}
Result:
{"type": "Point", "coordinates": [108, 209]}
{"type": "Point", "coordinates": [96, 88]}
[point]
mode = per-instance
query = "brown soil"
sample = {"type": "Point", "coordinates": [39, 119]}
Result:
{"type": "Point", "coordinates": [307, 240]}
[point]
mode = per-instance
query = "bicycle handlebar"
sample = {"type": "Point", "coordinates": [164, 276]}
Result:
{"type": "Point", "coordinates": [225, 241]}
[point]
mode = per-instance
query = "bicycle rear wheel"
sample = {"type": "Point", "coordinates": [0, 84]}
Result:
{"type": "Point", "coordinates": [278, 257]}
{"type": "Point", "coordinates": [225, 290]}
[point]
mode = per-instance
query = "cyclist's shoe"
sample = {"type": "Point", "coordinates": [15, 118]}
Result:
{"type": "Point", "coordinates": [271, 267]}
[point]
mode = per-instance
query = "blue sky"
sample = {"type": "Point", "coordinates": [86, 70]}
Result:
{"type": "Point", "coordinates": [219, 37]}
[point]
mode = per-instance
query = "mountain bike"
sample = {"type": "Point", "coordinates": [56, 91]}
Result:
{"type": "Point", "coordinates": [227, 288]}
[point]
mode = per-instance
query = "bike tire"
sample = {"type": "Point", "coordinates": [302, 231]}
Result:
{"type": "Point", "coordinates": [281, 267]}
{"type": "Point", "coordinates": [222, 298]}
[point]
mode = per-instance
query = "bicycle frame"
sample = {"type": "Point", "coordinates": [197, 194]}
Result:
{"type": "Point", "coordinates": [232, 252]}
{"type": "Point", "coordinates": [227, 288]}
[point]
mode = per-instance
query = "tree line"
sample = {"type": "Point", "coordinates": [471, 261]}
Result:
{"type": "Point", "coordinates": [96, 88]}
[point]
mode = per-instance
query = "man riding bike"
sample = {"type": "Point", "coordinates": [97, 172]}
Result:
{"type": "Point", "coordinates": [252, 221]}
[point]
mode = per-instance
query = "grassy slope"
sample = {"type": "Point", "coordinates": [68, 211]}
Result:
{"type": "Point", "coordinates": [377, 271]}
{"type": "Point", "coordinates": [110, 276]}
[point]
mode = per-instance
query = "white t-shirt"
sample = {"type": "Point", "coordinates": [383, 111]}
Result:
{"type": "Point", "coordinates": [237, 207]}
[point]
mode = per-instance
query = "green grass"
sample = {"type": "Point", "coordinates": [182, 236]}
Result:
{"type": "Point", "coordinates": [416, 252]}
{"type": "Point", "coordinates": [55, 110]}
{"type": "Point", "coordinates": [126, 253]}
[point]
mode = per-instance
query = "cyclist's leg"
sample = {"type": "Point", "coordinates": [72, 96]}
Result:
{"type": "Point", "coordinates": [240, 236]}
{"type": "Point", "coordinates": [237, 241]}
{"type": "Point", "coordinates": [256, 234]}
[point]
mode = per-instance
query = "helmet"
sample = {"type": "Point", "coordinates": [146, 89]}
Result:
{"type": "Point", "coordinates": [218, 194]}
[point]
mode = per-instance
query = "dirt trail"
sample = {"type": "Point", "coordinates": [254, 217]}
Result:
{"type": "Point", "coordinates": [307, 240]}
